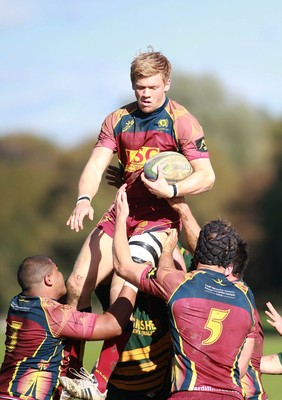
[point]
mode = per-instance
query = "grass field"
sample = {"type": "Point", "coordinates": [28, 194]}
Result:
{"type": "Point", "coordinates": [272, 384]}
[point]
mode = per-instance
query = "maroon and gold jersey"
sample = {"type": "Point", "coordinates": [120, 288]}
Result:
{"type": "Point", "coordinates": [210, 318]}
{"type": "Point", "coordinates": [35, 356]}
{"type": "Point", "coordinates": [252, 381]}
{"type": "Point", "coordinates": [135, 137]}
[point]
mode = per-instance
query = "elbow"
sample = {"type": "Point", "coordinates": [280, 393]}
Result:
{"type": "Point", "coordinates": [211, 180]}
{"type": "Point", "coordinates": [117, 331]}
{"type": "Point", "coordinates": [119, 268]}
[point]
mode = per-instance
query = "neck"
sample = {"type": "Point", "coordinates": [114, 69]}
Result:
{"type": "Point", "coordinates": [40, 293]}
{"type": "Point", "coordinates": [214, 268]}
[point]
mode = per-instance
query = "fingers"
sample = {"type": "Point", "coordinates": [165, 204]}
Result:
{"type": "Point", "coordinates": [121, 201]}
{"type": "Point", "coordinates": [171, 240]}
{"type": "Point", "coordinates": [272, 313]}
{"type": "Point", "coordinates": [276, 318]}
{"type": "Point", "coordinates": [113, 176]}
{"type": "Point", "coordinates": [75, 221]}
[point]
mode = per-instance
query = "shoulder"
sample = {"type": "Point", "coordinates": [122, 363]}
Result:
{"type": "Point", "coordinates": [175, 108]}
{"type": "Point", "coordinates": [117, 115]}
{"type": "Point", "coordinates": [124, 110]}
{"type": "Point", "coordinates": [184, 121]}
{"type": "Point", "coordinates": [179, 111]}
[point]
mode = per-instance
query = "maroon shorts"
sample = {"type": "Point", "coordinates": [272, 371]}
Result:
{"type": "Point", "coordinates": [141, 219]}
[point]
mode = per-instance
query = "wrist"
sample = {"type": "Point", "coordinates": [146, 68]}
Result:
{"type": "Point", "coordinates": [174, 190]}
{"type": "Point", "coordinates": [83, 197]}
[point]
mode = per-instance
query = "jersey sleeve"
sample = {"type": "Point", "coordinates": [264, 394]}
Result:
{"type": "Point", "coordinates": [191, 138]}
{"type": "Point", "coordinates": [66, 322]}
{"type": "Point", "coordinates": [161, 283]}
{"type": "Point", "coordinates": [106, 136]}
{"type": "Point", "coordinates": [189, 133]}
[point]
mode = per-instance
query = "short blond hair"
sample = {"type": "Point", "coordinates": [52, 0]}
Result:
{"type": "Point", "coordinates": [148, 64]}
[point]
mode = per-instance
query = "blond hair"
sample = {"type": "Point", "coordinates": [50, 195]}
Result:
{"type": "Point", "coordinates": [148, 64]}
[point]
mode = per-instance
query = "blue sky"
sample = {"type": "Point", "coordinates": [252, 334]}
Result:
{"type": "Point", "coordinates": [65, 63]}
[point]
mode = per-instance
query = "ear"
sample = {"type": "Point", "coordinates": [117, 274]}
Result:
{"type": "Point", "coordinates": [228, 270]}
{"type": "Point", "coordinates": [167, 85]}
{"type": "Point", "coordinates": [48, 280]}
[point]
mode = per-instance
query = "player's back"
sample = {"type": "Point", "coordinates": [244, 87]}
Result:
{"type": "Point", "coordinates": [210, 318]}
{"type": "Point", "coordinates": [33, 355]}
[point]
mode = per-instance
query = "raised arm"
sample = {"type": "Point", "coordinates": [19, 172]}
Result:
{"type": "Point", "coordinates": [123, 264]}
{"type": "Point", "coordinates": [190, 225]}
{"type": "Point", "coordinates": [88, 186]}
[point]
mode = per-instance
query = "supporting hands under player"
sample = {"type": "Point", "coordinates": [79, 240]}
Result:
{"type": "Point", "coordinates": [190, 225]}
{"type": "Point", "coordinates": [170, 242]}
{"type": "Point", "coordinates": [121, 204]}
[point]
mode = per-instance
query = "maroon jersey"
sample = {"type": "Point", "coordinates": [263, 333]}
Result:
{"type": "Point", "coordinates": [210, 318]}
{"type": "Point", "coordinates": [36, 353]}
{"type": "Point", "coordinates": [252, 381]}
{"type": "Point", "coordinates": [135, 137]}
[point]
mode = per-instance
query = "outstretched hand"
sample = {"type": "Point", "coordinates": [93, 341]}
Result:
{"type": "Point", "coordinates": [83, 208]}
{"type": "Point", "coordinates": [276, 318]}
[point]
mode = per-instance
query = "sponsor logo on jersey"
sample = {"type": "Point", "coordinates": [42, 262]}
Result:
{"type": "Point", "coordinates": [135, 159]}
{"type": "Point", "coordinates": [145, 327]}
{"type": "Point", "coordinates": [219, 282]}
{"type": "Point", "coordinates": [201, 145]}
{"type": "Point", "coordinates": [128, 125]}
{"type": "Point", "coordinates": [163, 123]}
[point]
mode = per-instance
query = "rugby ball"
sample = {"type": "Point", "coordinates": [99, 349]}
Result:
{"type": "Point", "coordinates": [175, 166]}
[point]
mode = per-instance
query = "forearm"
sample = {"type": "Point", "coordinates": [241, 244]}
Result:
{"type": "Point", "coordinates": [121, 251]}
{"type": "Point", "coordinates": [190, 227]}
{"type": "Point", "coordinates": [271, 364]}
{"type": "Point", "coordinates": [88, 183]}
{"type": "Point", "coordinates": [92, 173]}
{"type": "Point", "coordinates": [166, 261]}
{"type": "Point", "coordinates": [115, 319]}
{"type": "Point", "coordinates": [246, 356]}
{"type": "Point", "coordinates": [199, 181]}
{"type": "Point", "coordinates": [124, 266]}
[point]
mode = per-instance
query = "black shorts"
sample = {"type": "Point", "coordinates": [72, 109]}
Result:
{"type": "Point", "coordinates": [117, 394]}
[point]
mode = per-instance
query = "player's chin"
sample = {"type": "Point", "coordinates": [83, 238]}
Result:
{"type": "Point", "coordinates": [146, 107]}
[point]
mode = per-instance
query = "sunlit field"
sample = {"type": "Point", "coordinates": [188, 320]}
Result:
{"type": "Point", "coordinates": [272, 384]}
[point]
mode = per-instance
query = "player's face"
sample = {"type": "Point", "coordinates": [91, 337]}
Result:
{"type": "Point", "coordinates": [150, 92]}
{"type": "Point", "coordinates": [59, 281]}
